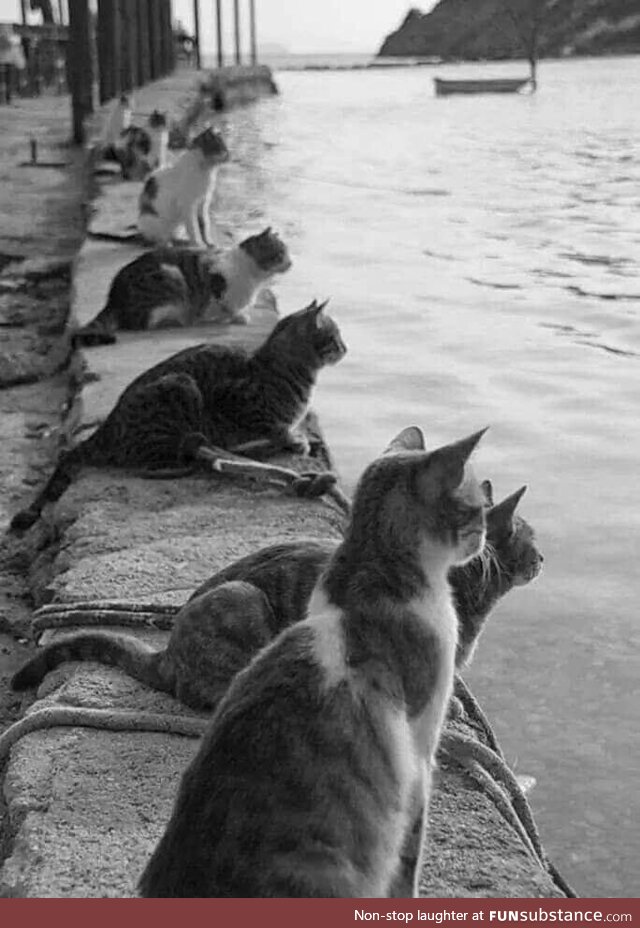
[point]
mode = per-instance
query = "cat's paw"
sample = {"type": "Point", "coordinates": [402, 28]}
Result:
{"type": "Point", "coordinates": [239, 319]}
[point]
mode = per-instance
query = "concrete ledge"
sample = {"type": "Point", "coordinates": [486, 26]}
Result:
{"type": "Point", "coordinates": [228, 87]}
{"type": "Point", "coordinates": [86, 807]}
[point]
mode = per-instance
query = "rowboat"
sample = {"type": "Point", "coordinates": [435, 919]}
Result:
{"type": "Point", "coordinates": [497, 85]}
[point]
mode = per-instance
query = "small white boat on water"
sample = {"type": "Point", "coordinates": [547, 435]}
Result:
{"type": "Point", "coordinates": [445, 88]}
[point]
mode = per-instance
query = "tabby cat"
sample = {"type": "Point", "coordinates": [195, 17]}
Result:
{"type": "Point", "coordinates": [181, 194]}
{"type": "Point", "coordinates": [184, 286]}
{"type": "Point", "coordinates": [208, 395]}
{"type": "Point", "coordinates": [317, 761]}
{"type": "Point", "coordinates": [242, 607]}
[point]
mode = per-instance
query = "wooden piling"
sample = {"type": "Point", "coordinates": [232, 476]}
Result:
{"type": "Point", "coordinates": [219, 39]}
{"type": "Point", "coordinates": [109, 49]}
{"type": "Point", "coordinates": [79, 67]}
{"type": "Point", "coordinates": [165, 36]}
{"type": "Point", "coordinates": [196, 29]}
{"type": "Point", "coordinates": [154, 35]}
{"type": "Point", "coordinates": [123, 46]}
{"type": "Point", "coordinates": [236, 30]}
{"type": "Point", "coordinates": [144, 42]}
{"type": "Point", "coordinates": [130, 42]}
{"type": "Point", "coordinates": [252, 32]}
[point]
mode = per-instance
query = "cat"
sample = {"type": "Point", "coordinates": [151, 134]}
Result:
{"type": "Point", "coordinates": [159, 138]}
{"type": "Point", "coordinates": [184, 286]}
{"type": "Point", "coordinates": [208, 395]}
{"type": "Point", "coordinates": [317, 761]}
{"type": "Point", "coordinates": [180, 194]}
{"type": "Point", "coordinates": [242, 607]}
{"type": "Point", "coordinates": [119, 120]}
{"type": "Point", "coordinates": [137, 150]}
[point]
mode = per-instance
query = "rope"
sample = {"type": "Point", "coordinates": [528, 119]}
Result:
{"type": "Point", "coordinates": [487, 766]}
{"type": "Point", "coordinates": [107, 719]}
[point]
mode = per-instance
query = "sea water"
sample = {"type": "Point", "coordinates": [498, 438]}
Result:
{"type": "Point", "coordinates": [482, 256]}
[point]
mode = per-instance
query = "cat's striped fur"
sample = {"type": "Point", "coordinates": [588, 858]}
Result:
{"type": "Point", "coordinates": [317, 761]}
{"type": "Point", "coordinates": [210, 394]}
{"type": "Point", "coordinates": [183, 286]}
{"type": "Point", "coordinates": [246, 604]}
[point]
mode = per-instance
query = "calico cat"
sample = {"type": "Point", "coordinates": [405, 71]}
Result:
{"type": "Point", "coordinates": [181, 194]}
{"type": "Point", "coordinates": [245, 605]}
{"type": "Point", "coordinates": [137, 150]}
{"type": "Point", "coordinates": [208, 395]}
{"type": "Point", "coordinates": [184, 286]}
{"type": "Point", "coordinates": [317, 761]}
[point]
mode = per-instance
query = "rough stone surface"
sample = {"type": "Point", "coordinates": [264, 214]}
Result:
{"type": "Point", "coordinates": [41, 226]}
{"type": "Point", "coordinates": [86, 806]}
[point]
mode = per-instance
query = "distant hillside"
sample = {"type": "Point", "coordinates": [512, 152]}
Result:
{"type": "Point", "coordinates": [471, 29]}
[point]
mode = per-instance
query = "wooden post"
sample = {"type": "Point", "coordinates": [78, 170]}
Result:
{"type": "Point", "coordinates": [196, 29]}
{"type": "Point", "coordinates": [105, 53]}
{"type": "Point", "coordinates": [130, 32]}
{"type": "Point", "coordinates": [144, 42]}
{"type": "Point", "coordinates": [164, 38]}
{"type": "Point", "coordinates": [170, 47]}
{"type": "Point", "coordinates": [109, 51]}
{"type": "Point", "coordinates": [23, 10]}
{"type": "Point", "coordinates": [219, 39]}
{"type": "Point", "coordinates": [236, 27]}
{"type": "Point", "coordinates": [123, 46]}
{"type": "Point", "coordinates": [154, 36]}
{"type": "Point", "coordinates": [79, 66]}
{"type": "Point", "coordinates": [252, 31]}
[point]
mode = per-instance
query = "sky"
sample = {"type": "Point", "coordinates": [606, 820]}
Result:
{"type": "Point", "coordinates": [299, 25]}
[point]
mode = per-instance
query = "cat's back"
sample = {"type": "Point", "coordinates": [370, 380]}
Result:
{"type": "Point", "coordinates": [295, 791]}
{"type": "Point", "coordinates": [286, 573]}
{"type": "Point", "coordinates": [204, 363]}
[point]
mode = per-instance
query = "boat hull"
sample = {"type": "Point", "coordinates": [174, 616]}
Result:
{"type": "Point", "coordinates": [445, 88]}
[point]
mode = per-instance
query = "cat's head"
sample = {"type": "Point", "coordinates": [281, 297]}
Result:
{"type": "Point", "coordinates": [414, 500]}
{"type": "Point", "coordinates": [268, 251]}
{"type": "Point", "coordinates": [511, 549]}
{"type": "Point", "coordinates": [158, 120]}
{"type": "Point", "coordinates": [309, 334]}
{"type": "Point", "coordinates": [212, 145]}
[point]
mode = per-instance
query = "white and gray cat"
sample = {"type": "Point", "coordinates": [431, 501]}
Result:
{"type": "Point", "coordinates": [179, 196]}
{"type": "Point", "coordinates": [317, 761]}
{"type": "Point", "coordinates": [185, 286]}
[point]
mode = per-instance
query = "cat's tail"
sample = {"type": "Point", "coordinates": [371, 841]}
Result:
{"type": "Point", "coordinates": [135, 657]}
{"type": "Point", "coordinates": [68, 466]}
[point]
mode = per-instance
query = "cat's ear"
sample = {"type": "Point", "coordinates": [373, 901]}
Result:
{"type": "Point", "coordinates": [266, 232]}
{"type": "Point", "coordinates": [487, 489]}
{"type": "Point", "coordinates": [500, 517]}
{"type": "Point", "coordinates": [449, 461]}
{"type": "Point", "coordinates": [314, 311]}
{"type": "Point", "coordinates": [409, 439]}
